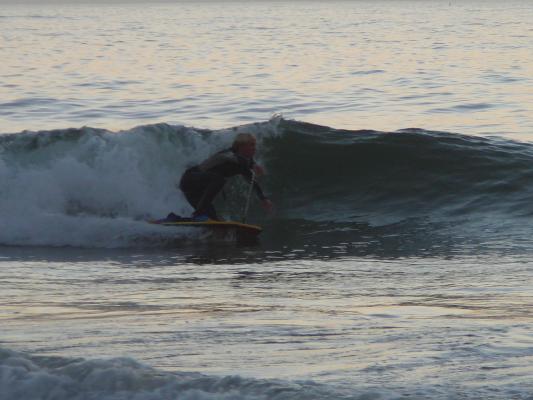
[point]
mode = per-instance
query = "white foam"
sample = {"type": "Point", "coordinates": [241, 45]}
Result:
{"type": "Point", "coordinates": [95, 188]}
{"type": "Point", "coordinates": [36, 378]}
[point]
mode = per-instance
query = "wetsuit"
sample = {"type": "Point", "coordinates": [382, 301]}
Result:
{"type": "Point", "coordinates": [200, 184]}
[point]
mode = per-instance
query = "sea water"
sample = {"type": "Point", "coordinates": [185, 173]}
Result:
{"type": "Point", "coordinates": [396, 136]}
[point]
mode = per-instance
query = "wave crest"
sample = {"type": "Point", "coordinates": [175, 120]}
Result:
{"type": "Point", "coordinates": [92, 187]}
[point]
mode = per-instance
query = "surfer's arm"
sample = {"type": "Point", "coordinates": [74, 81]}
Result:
{"type": "Point", "coordinates": [249, 169]}
{"type": "Point", "coordinates": [259, 171]}
{"type": "Point", "coordinates": [265, 201]}
{"type": "Point", "coordinates": [259, 191]}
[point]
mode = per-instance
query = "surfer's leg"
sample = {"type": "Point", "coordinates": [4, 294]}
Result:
{"type": "Point", "coordinates": [212, 213]}
{"type": "Point", "coordinates": [193, 198]}
{"type": "Point", "coordinates": [205, 203]}
{"type": "Point", "coordinates": [200, 190]}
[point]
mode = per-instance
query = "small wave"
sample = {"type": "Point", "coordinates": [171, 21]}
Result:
{"type": "Point", "coordinates": [463, 108]}
{"type": "Point", "coordinates": [40, 377]}
{"type": "Point", "coordinates": [368, 72]}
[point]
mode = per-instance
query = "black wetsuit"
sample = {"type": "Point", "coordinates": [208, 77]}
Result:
{"type": "Point", "coordinates": [203, 182]}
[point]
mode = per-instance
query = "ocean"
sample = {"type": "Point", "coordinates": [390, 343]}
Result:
{"type": "Point", "coordinates": [397, 137]}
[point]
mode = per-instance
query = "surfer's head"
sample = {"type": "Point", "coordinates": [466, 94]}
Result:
{"type": "Point", "coordinates": [244, 145]}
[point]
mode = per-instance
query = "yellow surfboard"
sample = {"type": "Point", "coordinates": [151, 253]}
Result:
{"type": "Point", "coordinates": [211, 224]}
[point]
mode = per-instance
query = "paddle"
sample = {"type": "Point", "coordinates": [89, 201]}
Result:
{"type": "Point", "coordinates": [247, 206]}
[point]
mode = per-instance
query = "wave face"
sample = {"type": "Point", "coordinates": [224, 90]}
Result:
{"type": "Point", "coordinates": [338, 175]}
{"type": "Point", "coordinates": [92, 187]}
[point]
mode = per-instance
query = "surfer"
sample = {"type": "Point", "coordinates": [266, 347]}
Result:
{"type": "Point", "coordinates": [200, 184]}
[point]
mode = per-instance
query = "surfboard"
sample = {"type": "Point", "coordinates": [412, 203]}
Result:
{"type": "Point", "coordinates": [239, 227]}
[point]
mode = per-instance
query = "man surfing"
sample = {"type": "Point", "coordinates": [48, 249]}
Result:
{"type": "Point", "coordinates": [200, 184]}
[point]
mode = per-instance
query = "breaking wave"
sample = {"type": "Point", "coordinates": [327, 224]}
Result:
{"type": "Point", "coordinates": [40, 377]}
{"type": "Point", "coordinates": [92, 187]}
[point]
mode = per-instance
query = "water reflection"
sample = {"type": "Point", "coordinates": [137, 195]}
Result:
{"type": "Point", "coordinates": [287, 240]}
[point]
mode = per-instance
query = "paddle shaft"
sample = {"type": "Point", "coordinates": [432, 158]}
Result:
{"type": "Point", "coordinates": [247, 206]}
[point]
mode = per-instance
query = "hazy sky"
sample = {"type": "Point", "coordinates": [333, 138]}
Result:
{"type": "Point", "coordinates": [103, 2]}
{"type": "Point", "coordinates": [89, 2]}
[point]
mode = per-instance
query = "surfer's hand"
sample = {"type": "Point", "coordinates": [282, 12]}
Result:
{"type": "Point", "coordinates": [267, 205]}
{"type": "Point", "coordinates": [259, 171]}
